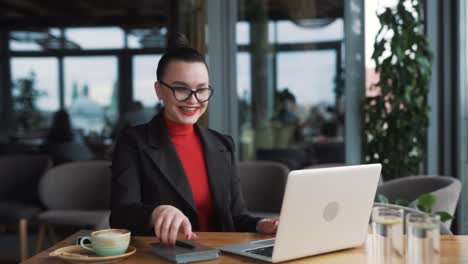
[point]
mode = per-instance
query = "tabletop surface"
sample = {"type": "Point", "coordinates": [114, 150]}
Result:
{"type": "Point", "coordinates": [454, 249]}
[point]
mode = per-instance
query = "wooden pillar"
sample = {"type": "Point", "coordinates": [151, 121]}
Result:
{"type": "Point", "coordinates": [263, 91]}
{"type": "Point", "coordinates": [23, 239]}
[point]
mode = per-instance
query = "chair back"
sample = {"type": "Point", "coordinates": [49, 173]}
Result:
{"type": "Point", "coordinates": [77, 186]}
{"type": "Point", "coordinates": [292, 158]}
{"type": "Point", "coordinates": [325, 165]}
{"type": "Point", "coordinates": [64, 152]}
{"type": "Point", "coordinates": [18, 148]}
{"type": "Point", "coordinates": [330, 152]}
{"type": "Point", "coordinates": [445, 189]}
{"type": "Point", "coordinates": [263, 184]}
{"type": "Point", "coordinates": [20, 175]}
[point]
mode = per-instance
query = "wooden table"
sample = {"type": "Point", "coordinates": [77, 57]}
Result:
{"type": "Point", "coordinates": [454, 249]}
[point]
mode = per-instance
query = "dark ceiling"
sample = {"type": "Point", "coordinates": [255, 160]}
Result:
{"type": "Point", "coordinates": [293, 9]}
{"type": "Point", "coordinates": [17, 14]}
{"type": "Point", "coordinates": [45, 13]}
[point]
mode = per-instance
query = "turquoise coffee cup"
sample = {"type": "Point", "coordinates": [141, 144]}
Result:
{"type": "Point", "coordinates": [108, 242]}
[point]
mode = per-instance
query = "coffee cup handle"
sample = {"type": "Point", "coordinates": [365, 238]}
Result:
{"type": "Point", "coordinates": [82, 243]}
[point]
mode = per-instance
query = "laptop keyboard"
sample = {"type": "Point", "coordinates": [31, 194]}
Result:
{"type": "Point", "coordinates": [265, 251]}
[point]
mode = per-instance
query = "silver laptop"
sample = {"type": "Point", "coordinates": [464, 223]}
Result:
{"type": "Point", "coordinates": [323, 210]}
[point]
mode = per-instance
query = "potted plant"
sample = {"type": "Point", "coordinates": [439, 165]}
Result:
{"type": "Point", "coordinates": [423, 203]}
{"type": "Point", "coordinates": [25, 95]}
{"type": "Point", "coordinates": [395, 116]}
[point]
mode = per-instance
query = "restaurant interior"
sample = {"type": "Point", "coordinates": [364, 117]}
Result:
{"type": "Point", "coordinates": [298, 84]}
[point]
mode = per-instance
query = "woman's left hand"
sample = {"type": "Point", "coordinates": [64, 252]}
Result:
{"type": "Point", "coordinates": [268, 225]}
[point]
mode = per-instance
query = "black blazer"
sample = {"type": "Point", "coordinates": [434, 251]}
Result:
{"type": "Point", "coordinates": [147, 172]}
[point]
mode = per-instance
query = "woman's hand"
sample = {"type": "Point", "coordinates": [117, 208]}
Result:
{"type": "Point", "coordinates": [268, 225]}
{"type": "Point", "coordinates": [168, 221]}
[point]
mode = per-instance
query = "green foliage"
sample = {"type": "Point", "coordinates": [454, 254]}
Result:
{"type": "Point", "coordinates": [402, 202]}
{"type": "Point", "coordinates": [424, 203]}
{"type": "Point", "coordinates": [444, 216]}
{"type": "Point", "coordinates": [380, 198]}
{"type": "Point", "coordinates": [395, 120]}
{"type": "Point", "coordinates": [25, 95]}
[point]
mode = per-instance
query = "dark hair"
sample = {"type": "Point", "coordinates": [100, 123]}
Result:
{"type": "Point", "coordinates": [60, 130]}
{"type": "Point", "coordinates": [178, 49]}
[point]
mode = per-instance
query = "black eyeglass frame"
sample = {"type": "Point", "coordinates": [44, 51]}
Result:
{"type": "Point", "coordinates": [191, 92]}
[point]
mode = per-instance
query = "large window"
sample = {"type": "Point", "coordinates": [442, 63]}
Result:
{"type": "Point", "coordinates": [291, 103]}
{"type": "Point", "coordinates": [96, 38]}
{"type": "Point", "coordinates": [82, 64]}
{"type": "Point", "coordinates": [144, 76]}
{"type": "Point", "coordinates": [154, 37]}
{"type": "Point", "coordinates": [34, 79]}
{"type": "Point", "coordinates": [40, 39]}
{"type": "Point", "coordinates": [91, 94]}
{"type": "Point", "coordinates": [244, 93]}
{"type": "Point", "coordinates": [313, 88]}
{"type": "Point", "coordinates": [289, 32]}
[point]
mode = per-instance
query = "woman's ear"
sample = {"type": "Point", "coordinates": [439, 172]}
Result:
{"type": "Point", "coordinates": [157, 89]}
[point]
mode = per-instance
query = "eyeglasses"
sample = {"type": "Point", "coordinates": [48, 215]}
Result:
{"type": "Point", "coordinates": [182, 94]}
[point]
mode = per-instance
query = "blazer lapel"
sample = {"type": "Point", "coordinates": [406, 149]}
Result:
{"type": "Point", "coordinates": [217, 164]}
{"type": "Point", "coordinates": [163, 154]}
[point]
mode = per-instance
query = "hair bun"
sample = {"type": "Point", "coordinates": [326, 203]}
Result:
{"type": "Point", "coordinates": [177, 41]}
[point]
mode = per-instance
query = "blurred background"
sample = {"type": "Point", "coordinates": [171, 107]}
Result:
{"type": "Point", "coordinates": [289, 79]}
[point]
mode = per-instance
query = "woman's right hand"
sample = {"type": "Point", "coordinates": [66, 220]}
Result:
{"type": "Point", "coordinates": [167, 221]}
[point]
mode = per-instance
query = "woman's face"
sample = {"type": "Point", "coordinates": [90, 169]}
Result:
{"type": "Point", "coordinates": [192, 75]}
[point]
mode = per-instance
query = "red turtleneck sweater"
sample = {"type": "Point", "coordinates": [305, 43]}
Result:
{"type": "Point", "coordinates": [188, 146]}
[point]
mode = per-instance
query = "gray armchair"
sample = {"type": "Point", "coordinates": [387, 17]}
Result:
{"type": "Point", "coordinates": [64, 152]}
{"type": "Point", "coordinates": [445, 189]}
{"type": "Point", "coordinates": [19, 202]}
{"type": "Point", "coordinates": [325, 165]}
{"type": "Point", "coordinates": [263, 184]}
{"type": "Point", "coordinates": [75, 194]}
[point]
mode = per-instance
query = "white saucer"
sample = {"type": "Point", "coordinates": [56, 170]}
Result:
{"type": "Point", "coordinates": [77, 254]}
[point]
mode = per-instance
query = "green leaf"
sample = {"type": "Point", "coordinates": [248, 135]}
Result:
{"type": "Point", "coordinates": [425, 202]}
{"type": "Point", "coordinates": [403, 86]}
{"type": "Point", "coordinates": [380, 198]}
{"type": "Point", "coordinates": [402, 202]}
{"type": "Point", "coordinates": [444, 216]}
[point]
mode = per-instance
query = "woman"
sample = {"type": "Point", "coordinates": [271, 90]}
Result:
{"type": "Point", "coordinates": [171, 175]}
{"type": "Point", "coordinates": [63, 144]}
{"type": "Point", "coordinates": [61, 129]}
